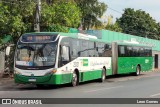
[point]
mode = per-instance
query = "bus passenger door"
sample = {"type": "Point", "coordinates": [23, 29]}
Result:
{"type": "Point", "coordinates": [64, 62]}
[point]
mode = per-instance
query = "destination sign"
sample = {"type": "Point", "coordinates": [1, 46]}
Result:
{"type": "Point", "coordinates": [38, 38]}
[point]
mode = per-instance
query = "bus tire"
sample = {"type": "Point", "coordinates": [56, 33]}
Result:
{"type": "Point", "coordinates": [103, 76]}
{"type": "Point", "coordinates": [138, 71]}
{"type": "Point", "coordinates": [74, 81]}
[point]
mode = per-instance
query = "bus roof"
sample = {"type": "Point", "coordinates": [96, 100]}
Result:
{"type": "Point", "coordinates": [135, 44]}
{"type": "Point", "coordinates": [72, 35]}
{"type": "Point", "coordinates": [90, 38]}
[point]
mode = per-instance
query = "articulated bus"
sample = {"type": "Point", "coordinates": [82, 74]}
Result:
{"type": "Point", "coordinates": [59, 58]}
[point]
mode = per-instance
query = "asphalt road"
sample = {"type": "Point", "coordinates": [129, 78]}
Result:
{"type": "Point", "coordinates": [147, 85]}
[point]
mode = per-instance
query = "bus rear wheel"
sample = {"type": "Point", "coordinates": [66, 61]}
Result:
{"type": "Point", "coordinates": [103, 76]}
{"type": "Point", "coordinates": [74, 79]}
{"type": "Point", "coordinates": [138, 71]}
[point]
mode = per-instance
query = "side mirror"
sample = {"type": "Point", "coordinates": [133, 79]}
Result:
{"type": "Point", "coordinates": [8, 49]}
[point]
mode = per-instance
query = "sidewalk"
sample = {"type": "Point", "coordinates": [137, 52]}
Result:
{"type": "Point", "coordinates": [5, 80]}
{"type": "Point", "coordinates": [155, 70]}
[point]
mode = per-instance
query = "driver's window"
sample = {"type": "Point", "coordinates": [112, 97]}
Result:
{"type": "Point", "coordinates": [65, 53]}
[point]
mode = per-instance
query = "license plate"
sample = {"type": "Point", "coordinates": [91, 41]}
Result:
{"type": "Point", "coordinates": [32, 80]}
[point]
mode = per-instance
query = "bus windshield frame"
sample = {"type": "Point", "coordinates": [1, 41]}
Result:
{"type": "Point", "coordinates": [36, 55]}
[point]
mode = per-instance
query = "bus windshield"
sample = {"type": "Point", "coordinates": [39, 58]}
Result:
{"type": "Point", "coordinates": [36, 55]}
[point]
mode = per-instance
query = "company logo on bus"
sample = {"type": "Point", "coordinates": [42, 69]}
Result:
{"type": "Point", "coordinates": [85, 62]}
{"type": "Point", "coordinates": [147, 61]}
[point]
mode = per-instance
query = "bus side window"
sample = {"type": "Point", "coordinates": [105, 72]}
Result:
{"type": "Point", "coordinates": [148, 52]}
{"type": "Point", "coordinates": [121, 51]}
{"type": "Point", "coordinates": [91, 49]}
{"type": "Point", "coordinates": [136, 51]}
{"type": "Point", "coordinates": [100, 48]}
{"type": "Point", "coordinates": [108, 50]}
{"type": "Point", "coordinates": [96, 49]}
{"type": "Point", "coordinates": [75, 48]}
{"type": "Point", "coordinates": [84, 49]}
{"type": "Point", "coordinates": [129, 51]}
{"type": "Point", "coordinates": [141, 51]}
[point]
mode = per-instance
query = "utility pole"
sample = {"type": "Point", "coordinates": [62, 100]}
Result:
{"type": "Point", "coordinates": [37, 16]}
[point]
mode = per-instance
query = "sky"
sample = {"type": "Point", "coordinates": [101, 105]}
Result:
{"type": "Point", "coordinates": [149, 6]}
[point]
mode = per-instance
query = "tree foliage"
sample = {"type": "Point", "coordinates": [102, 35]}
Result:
{"type": "Point", "coordinates": [17, 16]}
{"type": "Point", "coordinates": [138, 22]}
{"type": "Point", "coordinates": [56, 28]}
{"type": "Point", "coordinates": [4, 13]}
{"type": "Point", "coordinates": [113, 27]}
{"type": "Point", "coordinates": [91, 11]}
{"type": "Point", "coordinates": [109, 25]}
{"type": "Point", "coordinates": [60, 13]}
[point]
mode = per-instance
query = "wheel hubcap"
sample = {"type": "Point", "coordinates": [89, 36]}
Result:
{"type": "Point", "coordinates": [103, 76]}
{"type": "Point", "coordinates": [74, 79]}
{"type": "Point", "coordinates": [138, 72]}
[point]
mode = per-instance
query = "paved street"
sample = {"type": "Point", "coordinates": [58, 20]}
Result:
{"type": "Point", "coordinates": [123, 86]}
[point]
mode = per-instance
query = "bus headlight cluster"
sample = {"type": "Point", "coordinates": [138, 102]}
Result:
{"type": "Point", "coordinates": [51, 72]}
{"type": "Point", "coordinates": [16, 72]}
{"type": "Point", "coordinates": [54, 70]}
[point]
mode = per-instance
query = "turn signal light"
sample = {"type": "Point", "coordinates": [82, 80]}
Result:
{"type": "Point", "coordinates": [54, 71]}
{"type": "Point", "coordinates": [16, 72]}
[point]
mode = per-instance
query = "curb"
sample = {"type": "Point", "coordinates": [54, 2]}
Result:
{"type": "Point", "coordinates": [5, 80]}
{"type": "Point", "coordinates": [156, 70]}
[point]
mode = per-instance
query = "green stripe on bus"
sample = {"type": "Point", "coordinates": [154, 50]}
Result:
{"type": "Point", "coordinates": [132, 62]}
{"type": "Point", "coordinates": [60, 78]}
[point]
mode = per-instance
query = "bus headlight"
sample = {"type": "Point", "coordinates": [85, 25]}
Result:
{"type": "Point", "coordinates": [51, 72]}
{"type": "Point", "coordinates": [16, 72]}
{"type": "Point", "coordinates": [54, 70]}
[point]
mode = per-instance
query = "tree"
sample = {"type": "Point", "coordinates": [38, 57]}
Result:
{"type": "Point", "coordinates": [158, 31]}
{"type": "Point", "coordinates": [58, 14]}
{"type": "Point", "coordinates": [109, 25]}
{"type": "Point", "coordinates": [16, 16]}
{"type": "Point", "coordinates": [113, 27]}
{"type": "Point", "coordinates": [138, 22]}
{"type": "Point", "coordinates": [67, 14]}
{"type": "Point", "coordinates": [3, 18]}
{"type": "Point", "coordinates": [91, 11]}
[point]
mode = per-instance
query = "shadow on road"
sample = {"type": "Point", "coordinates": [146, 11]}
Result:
{"type": "Point", "coordinates": [27, 87]}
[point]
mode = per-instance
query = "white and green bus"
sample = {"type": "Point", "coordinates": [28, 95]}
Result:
{"type": "Point", "coordinates": [59, 58]}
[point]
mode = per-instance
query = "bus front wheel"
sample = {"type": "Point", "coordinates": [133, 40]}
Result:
{"type": "Point", "coordinates": [74, 79]}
